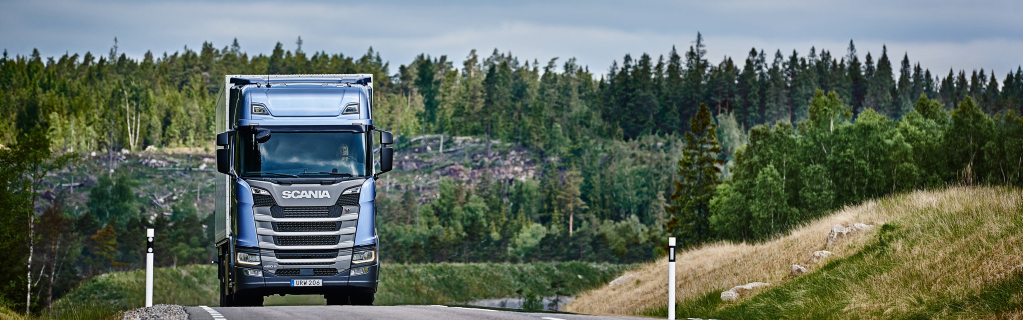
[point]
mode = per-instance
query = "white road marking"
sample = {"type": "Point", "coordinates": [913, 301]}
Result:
{"type": "Point", "coordinates": [549, 318]}
{"type": "Point", "coordinates": [474, 309]}
{"type": "Point", "coordinates": [216, 315]}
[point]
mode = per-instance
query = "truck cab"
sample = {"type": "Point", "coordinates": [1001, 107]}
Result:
{"type": "Point", "coordinates": [298, 157]}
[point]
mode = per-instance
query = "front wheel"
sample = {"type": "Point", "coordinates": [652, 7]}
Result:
{"type": "Point", "coordinates": [365, 299]}
{"type": "Point", "coordinates": [336, 299]}
{"type": "Point", "coordinates": [247, 300]}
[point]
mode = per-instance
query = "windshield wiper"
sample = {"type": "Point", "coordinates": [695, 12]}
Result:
{"type": "Point", "coordinates": [342, 174]}
{"type": "Point", "coordinates": [277, 174]}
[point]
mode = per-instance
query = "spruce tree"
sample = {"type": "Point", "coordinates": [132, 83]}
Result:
{"type": "Point", "coordinates": [699, 173]}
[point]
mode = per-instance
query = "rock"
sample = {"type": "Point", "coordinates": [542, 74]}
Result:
{"type": "Point", "coordinates": [820, 255]}
{"type": "Point", "coordinates": [842, 231]}
{"type": "Point", "coordinates": [48, 195]}
{"type": "Point", "coordinates": [862, 227]}
{"type": "Point", "coordinates": [735, 292]}
{"type": "Point", "coordinates": [621, 279]}
{"type": "Point", "coordinates": [202, 166]}
{"type": "Point", "coordinates": [729, 296]}
{"type": "Point", "coordinates": [837, 232]}
{"type": "Point", "coordinates": [150, 148]}
{"type": "Point", "coordinates": [797, 270]}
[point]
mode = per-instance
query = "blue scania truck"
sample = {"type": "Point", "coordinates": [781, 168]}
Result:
{"type": "Point", "coordinates": [298, 156]}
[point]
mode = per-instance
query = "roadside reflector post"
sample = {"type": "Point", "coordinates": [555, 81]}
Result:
{"type": "Point", "coordinates": [671, 278]}
{"type": "Point", "coordinates": [149, 266]}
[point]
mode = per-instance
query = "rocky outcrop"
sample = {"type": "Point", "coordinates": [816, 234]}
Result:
{"type": "Point", "coordinates": [734, 293]}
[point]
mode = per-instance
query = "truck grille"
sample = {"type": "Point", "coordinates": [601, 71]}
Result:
{"type": "Point", "coordinates": [306, 239]}
{"type": "Point", "coordinates": [261, 200]}
{"type": "Point", "coordinates": [305, 212]}
{"type": "Point", "coordinates": [306, 226]}
{"type": "Point", "coordinates": [306, 254]}
{"type": "Point", "coordinates": [316, 272]}
{"type": "Point", "coordinates": [348, 200]}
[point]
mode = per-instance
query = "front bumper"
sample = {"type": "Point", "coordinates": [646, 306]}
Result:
{"type": "Point", "coordinates": [342, 283]}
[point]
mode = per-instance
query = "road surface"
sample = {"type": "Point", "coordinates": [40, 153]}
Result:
{"type": "Point", "coordinates": [374, 312]}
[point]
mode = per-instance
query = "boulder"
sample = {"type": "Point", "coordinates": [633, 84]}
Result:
{"type": "Point", "coordinates": [842, 231]}
{"type": "Point", "coordinates": [729, 296]}
{"type": "Point", "coordinates": [796, 270]}
{"type": "Point", "coordinates": [820, 255]}
{"type": "Point", "coordinates": [736, 291]}
{"type": "Point", "coordinates": [862, 227]}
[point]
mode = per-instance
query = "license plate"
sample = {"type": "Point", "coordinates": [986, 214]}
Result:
{"type": "Point", "coordinates": [307, 283]}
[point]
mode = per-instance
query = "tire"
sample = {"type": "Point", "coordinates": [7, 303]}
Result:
{"type": "Point", "coordinates": [365, 299]}
{"type": "Point", "coordinates": [248, 300]}
{"type": "Point", "coordinates": [336, 299]}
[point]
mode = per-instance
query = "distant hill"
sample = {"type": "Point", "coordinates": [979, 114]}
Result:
{"type": "Point", "coordinates": [950, 253]}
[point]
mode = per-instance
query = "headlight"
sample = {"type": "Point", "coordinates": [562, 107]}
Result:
{"type": "Point", "coordinates": [260, 191]}
{"type": "Point", "coordinates": [364, 256]}
{"type": "Point", "coordinates": [359, 271]}
{"type": "Point", "coordinates": [253, 272]}
{"type": "Point", "coordinates": [248, 258]}
{"type": "Point", "coordinates": [258, 108]}
{"type": "Point", "coordinates": [351, 190]}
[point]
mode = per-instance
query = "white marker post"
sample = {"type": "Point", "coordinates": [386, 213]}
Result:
{"type": "Point", "coordinates": [149, 266]}
{"type": "Point", "coordinates": [671, 278]}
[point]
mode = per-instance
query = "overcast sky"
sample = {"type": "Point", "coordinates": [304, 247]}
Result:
{"type": "Point", "coordinates": [939, 34]}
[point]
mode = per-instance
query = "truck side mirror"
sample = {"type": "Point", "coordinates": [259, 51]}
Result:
{"type": "Point", "coordinates": [262, 135]}
{"type": "Point", "coordinates": [386, 138]}
{"type": "Point", "coordinates": [224, 152]}
{"type": "Point", "coordinates": [224, 139]}
{"type": "Point", "coordinates": [386, 159]}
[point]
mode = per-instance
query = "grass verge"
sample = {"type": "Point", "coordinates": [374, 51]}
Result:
{"type": "Point", "coordinates": [955, 253]}
{"type": "Point", "coordinates": [441, 283]}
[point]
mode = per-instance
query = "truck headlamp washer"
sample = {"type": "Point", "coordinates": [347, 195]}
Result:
{"type": "Point", "coordinates": [251, 259]}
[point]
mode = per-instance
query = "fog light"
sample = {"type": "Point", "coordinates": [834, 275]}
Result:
{"type": "Point", "coordinates": [253, 272]}
{"type": "Point", "coordinates": [359, 271]}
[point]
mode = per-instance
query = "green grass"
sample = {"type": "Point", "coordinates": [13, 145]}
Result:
{"type": "Point", "coordinates": [955, 260]}
{"type": "Point", "coordinates": [442, 283]}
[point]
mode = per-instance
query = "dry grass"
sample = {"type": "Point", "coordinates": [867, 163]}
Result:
{"type": "Point", "coordinates": [951, 244]}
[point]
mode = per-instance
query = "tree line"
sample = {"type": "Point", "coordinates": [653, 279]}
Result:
{"type": "Point", "coordinates": [673, 145]}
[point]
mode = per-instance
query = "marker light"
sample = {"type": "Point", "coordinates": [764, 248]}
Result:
{"type": "Point", "coordinates": [258, 108]}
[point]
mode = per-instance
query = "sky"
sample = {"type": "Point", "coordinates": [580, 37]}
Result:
{"type": "Point", "coordinates": [939, 34]}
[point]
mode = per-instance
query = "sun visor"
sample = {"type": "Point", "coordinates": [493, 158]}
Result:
{"type": "Point", "coordinates": [305, 102]}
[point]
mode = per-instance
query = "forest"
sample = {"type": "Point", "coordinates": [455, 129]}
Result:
{"type": "Point", "coordinates": [651, 147]}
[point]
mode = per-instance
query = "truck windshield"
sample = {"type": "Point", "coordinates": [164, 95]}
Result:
{"type": "Point", "coordinates": [303, 154]}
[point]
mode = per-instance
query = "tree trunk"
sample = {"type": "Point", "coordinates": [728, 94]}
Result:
{"type": "Point", "coordinates": [571, 218]}
{"type": "Point", "coordinates": [31, 248]}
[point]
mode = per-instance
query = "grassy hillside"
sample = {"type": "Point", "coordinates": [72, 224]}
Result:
{"type": "Point", "coordinates": [443, 283]}
{"type": "Point", "coordinates": [955, 253]}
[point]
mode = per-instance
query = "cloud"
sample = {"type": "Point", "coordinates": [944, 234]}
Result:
{"type": "Point", "coordinates": [939, 34]}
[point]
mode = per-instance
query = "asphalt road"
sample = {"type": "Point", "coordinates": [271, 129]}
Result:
{"type": "Point", "coordinates": [374, 312]}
